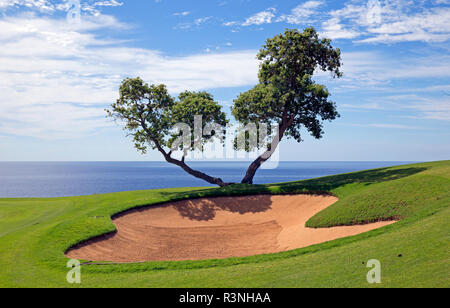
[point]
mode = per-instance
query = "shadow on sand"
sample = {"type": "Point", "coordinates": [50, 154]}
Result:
{"type": "Point", "coordinates": [205, 209]}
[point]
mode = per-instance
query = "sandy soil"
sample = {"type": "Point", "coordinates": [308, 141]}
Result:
{"type": "Point", "coordinates": [215, 228]}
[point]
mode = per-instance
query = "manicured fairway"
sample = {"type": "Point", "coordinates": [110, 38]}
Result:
{"type": "Point", "coordinates": [34, 233]}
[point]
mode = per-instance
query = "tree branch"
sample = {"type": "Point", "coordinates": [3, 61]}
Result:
{"type": "Point", "coordinates": [181, 163]}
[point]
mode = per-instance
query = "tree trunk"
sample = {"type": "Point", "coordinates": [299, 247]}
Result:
{"type": "Point", "coordinates": [251, 171]}
{"type": "Point", "coordinates": [254, 166]}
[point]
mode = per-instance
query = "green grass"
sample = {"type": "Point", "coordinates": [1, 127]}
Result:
{"type": "Point", "coordinates": [34, 233]}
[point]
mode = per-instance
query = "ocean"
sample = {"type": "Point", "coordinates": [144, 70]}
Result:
{"type": "Point", "coordinates": [61, 179]}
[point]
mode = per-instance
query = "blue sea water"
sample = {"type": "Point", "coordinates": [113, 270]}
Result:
{"type": "Point", "coordinates": [60, 179]}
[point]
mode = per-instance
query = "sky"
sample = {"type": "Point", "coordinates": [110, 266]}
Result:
{"type": "Point", "coordinates": [59, 72]}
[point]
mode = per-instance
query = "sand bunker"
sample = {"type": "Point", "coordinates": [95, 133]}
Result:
{"type": "Point", "coordinates": [215, 228]}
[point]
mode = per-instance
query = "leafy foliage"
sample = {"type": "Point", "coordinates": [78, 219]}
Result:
{"type": "Point", "coordinates": [145, 111]}
{"type": "Point", "coordinates": [192, 104]}
{"type": "Point", "coordinates": [150, 114]}
{"type": "Point", "coordinates": [286, 93]}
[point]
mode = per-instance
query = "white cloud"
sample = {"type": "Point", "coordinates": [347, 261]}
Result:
{"type": "Point", "coordinates": [230, 23]}
{"type": "Point", "coordinates": [417, 106]}
{"type": "Point", "coordinates": [42, 5]}
{"type": "Point", "coordinates": [48, 6]}
{"type": "Point", "coordinates": [372, 69]}
{"type": "Point", "coordinates": [108, 3]}
{"type": "Point", "coordinates": [197, 22]}
{"type": "Point", "coordinates": [372, 21]}
{"type": "Point", "coordinates": [303, 13]}
{"type": "Point", "coordinates": [426, 107]}
{"type": "Point", "coordinates": [264, 17]}
{"type": "Point", "coordinates": [56, 78]}
{"type": "Point", "coordinates": [202, 20]}
{"type": "Point", "coordinates": [430, 26]}
{"type": "Point", "coordinates": [185, 13]}
{"type": "Point", "coordinates": [56, 121]}
{"type": "Point", "coordinates": [333, 29]}
{"type": "Point", "coordinates": [216, 70]}
{"type": "Point", "coordinates": [442, 88]}
{"type": "Point", "coordinates": [381, 76]}
{"type": "Point", "coordinates": [388, 21]}
{"type": "Point", "coordinates": [53, 74]}
{"type": "Point", "coordinates": [392, 126]}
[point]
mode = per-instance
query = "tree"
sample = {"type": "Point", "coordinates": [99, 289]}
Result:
{"type": "Point", "coordinates": [287, 95]}
{"type": "Point", "coordinates": [149, 114]}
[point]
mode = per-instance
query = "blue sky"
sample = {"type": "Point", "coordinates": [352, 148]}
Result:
{"type": "Point", "coordinates": [56, 76]}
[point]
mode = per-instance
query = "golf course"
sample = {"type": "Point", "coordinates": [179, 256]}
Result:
{"type": "Point", "coordinates": [410, 202]}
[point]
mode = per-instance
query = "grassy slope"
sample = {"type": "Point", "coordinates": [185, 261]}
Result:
{"type": "Point", "coordinates": [35, 232]}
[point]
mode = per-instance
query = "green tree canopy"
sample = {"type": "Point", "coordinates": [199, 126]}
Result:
{"type": "Point", "coordinates": [149, 115]}
{"type": "Point", "coordinates": [286, 94]}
